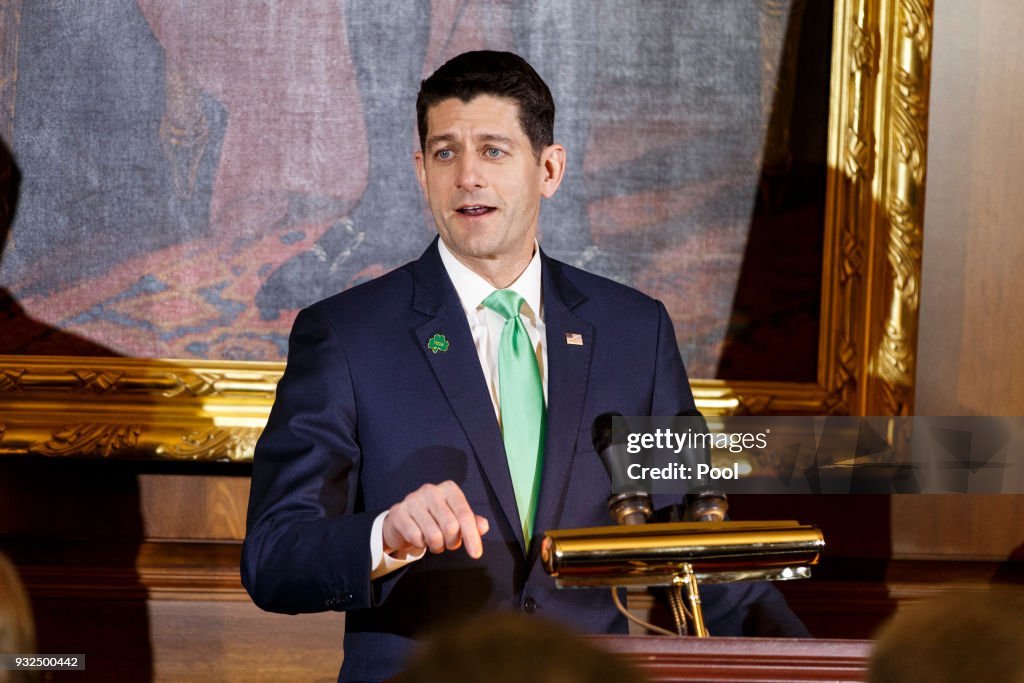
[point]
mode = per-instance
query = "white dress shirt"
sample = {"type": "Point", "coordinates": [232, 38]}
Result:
{"type": "Point", "coordinates": [485, 325]}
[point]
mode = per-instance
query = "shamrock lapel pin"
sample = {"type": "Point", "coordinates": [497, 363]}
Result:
{"type": "Point", "coordinates": [437, 343]}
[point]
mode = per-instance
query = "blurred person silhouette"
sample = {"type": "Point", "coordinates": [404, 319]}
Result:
{"type": "Point", "coordinates": [953, 638]}
{"type": "Point", "coordinates": [17, 628]}
{"type": "Point", "coordinates": [509, 648]}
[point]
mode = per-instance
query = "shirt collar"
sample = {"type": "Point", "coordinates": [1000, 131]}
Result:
{"type": "Point", "coordinates": [473, 289]}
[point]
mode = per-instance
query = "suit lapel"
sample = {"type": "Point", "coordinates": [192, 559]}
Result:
{"type": "Point", "coordinates": [458, 372]}
{"type": "Point", "coordinates": [568, 372]}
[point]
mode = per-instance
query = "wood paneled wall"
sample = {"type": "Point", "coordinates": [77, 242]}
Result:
{"type": "Point", "coordinates": [135, 565]}
{"type": "Point", "coordinates": [971, 359]}
{"type": "Point", "coordinates": [970, 348]}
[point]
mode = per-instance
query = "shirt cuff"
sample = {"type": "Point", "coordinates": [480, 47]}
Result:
{"type": "Point", "coordinates": [380, 563]}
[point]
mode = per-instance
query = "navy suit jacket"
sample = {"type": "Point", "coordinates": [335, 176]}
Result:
{"type": "Point", "coordinates": [366, 413]}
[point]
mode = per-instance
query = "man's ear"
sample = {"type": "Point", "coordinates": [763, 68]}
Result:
{"type": "Point", "coordinates": [421, 171]}
{"type": "Point", "coordinates": [552, 162]}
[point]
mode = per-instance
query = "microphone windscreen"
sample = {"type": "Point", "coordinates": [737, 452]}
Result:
{"type": "Point", "coordinates": [613, 456]}
{"type": "Point", "coordinates": [601, 432]}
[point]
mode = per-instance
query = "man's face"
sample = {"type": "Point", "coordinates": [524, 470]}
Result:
{"type": "Point", "coordinates": [484, 183]}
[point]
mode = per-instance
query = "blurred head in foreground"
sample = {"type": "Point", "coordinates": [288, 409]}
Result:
{"type": "Point", "coordinates": [510, 648]}
{"type": "Point", "coordinates": [963, 636]}
{"type": "Point", "coordinates": [17, 628]}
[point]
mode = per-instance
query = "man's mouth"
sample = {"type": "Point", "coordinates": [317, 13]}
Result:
{"type": "Point", "coordinates": [475, 210]}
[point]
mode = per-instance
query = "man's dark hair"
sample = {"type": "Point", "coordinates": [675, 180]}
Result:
{"type": "Point", "coordinates": [499, 74]}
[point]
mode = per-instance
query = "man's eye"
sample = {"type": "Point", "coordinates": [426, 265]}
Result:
{"type": "Point", "coordinates": [494, 153]}
{"type": "Point", "coordinates": [444, 154]}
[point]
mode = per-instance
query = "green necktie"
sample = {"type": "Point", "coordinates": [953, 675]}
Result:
{"type": "Point", "coordinates": [521, 396]}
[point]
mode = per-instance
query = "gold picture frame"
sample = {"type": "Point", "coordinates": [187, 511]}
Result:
{"type": "Point", "coordinates": [878, 110]}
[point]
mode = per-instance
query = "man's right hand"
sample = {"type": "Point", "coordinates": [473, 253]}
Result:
{"type": "Point", "coordinates": [434, 516]}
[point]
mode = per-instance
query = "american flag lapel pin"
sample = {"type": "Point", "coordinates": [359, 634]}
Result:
{"type": "Point", "coordinates": [574, 339]}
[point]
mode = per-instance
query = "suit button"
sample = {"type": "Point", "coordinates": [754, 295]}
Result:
{"type": "Point", "coordinates": [329, 603]}
{"type": "Point", "coordinates": [530, 606]}
{"type": "Point", "coordinates": [346, 600]}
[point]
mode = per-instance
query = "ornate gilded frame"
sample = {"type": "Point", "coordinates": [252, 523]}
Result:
{"type": "Point", "coordinates": [190, 410]}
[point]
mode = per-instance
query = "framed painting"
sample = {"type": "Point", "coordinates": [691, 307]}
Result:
{"type": "Point", "coordinates": [195, 174]}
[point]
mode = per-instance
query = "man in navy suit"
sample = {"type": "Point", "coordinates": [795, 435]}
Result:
{"type": "Point", "coordinates": [384, 453]}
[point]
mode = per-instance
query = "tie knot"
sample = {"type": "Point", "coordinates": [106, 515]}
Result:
{"type": "Point", "coordinates": [504, 302]}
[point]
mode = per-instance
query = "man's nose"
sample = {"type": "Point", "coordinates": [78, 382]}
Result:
{"type": "Point", "coordinates": [470, 175]}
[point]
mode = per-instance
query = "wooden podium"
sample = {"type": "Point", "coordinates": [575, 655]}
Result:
{"type": "Point", "coordinates": [754, 660]}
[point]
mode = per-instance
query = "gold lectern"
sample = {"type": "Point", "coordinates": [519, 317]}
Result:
{"type": "Point", "coordinates": [680, 554]}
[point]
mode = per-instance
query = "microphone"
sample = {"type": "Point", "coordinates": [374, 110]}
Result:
{"type": "Point", "coordinates": [705, 504]}
{"type": "Point", "coordinates": [631, 505]}
{"type": "Point", "coordinates": [628, 504]}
